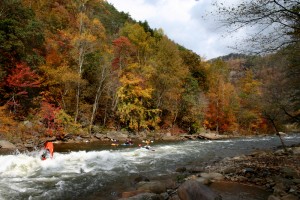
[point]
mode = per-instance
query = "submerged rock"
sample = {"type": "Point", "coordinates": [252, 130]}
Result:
{"type": "Point", "coordinates": [140, 179]}
{"type": "Point", "coordinates": [143, 196]}
{"type": "Point", "coordinates": [152, 186]}
{"type": "Point", "coordinates": [193, 190]}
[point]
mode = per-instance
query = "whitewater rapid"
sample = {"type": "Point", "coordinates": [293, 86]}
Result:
{"type": "Point", "coordinates": [82, 174]}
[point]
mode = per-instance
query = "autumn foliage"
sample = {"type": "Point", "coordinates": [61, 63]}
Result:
{"type": "Point", "coordinates": [22, 77]}
{"type": "Point", "coordinates": [90, 66]}
{"type": "Point", "coordinates": [19, 81]}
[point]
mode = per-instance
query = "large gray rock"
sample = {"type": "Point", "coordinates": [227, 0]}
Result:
{"type": "Point", "coordinates": [169, 138]}
{"type": "Point", "coordinates": [117, 135]}
{"type": "Point", "coordinates": [193, 190]}
{"type": "Point", "coordinates": [6, 145]}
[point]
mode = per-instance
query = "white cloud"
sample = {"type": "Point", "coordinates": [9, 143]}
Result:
{"type": "Point", "coordinates": [182, 21]}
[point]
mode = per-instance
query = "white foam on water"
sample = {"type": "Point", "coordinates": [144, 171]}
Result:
{"type": "Point", "coordinates": [27, 174]}
{"type": "Point", "coordinates": [31, 166]}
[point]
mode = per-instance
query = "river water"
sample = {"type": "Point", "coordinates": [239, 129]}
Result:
{"type": "Point", "coordinates": [94, 171]}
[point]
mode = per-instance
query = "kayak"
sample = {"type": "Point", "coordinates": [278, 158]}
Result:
{"type": "Point", "coordinates": [147, 147]}
{"type": "Point", "coordinates": [127, 144]}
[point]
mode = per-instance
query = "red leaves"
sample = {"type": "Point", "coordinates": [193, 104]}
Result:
{"type": "Point", "coordinates": [122, 49]}
{"type": "Point", "coordinates": [18, 81]}
{"type": "Point", "coordinates": [48, 114]}
{"type": "Point", "coordinates": [22, 77]}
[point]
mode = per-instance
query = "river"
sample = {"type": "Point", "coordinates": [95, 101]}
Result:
{"type": "Point", "coordinates": [94, 171]}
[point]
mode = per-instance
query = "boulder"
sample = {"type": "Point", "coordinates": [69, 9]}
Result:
{"type": "Point", "coordinates": [289, 197]}
{"type": "Point", "coordinates": [195, 169]}
{"type": "Point", "coordinates": [169, 138]}
{"type": "Point", "coordinates": [279, 189]}
{"type": "Point", "coordinates": [229, 170]}
{"type": "Point", "coordinates": [152, 186]}
{"type": "Point", "coordinates": [203, 180]}
{"type": "Point", "coordinates": [141, 179]}
{"type": "Point", "coordinates": [99, 136]}
{"type": "Point", "coordinates": [296, 150]}
{"type": "Point", "coordinates": [212, 176]}
{"type": "Point", "coordinates": [181, 169]}
{"type": "Point", "coordinates": [272, 197]}
{"type": "Point", "coordinates": [143, 196]}
{"type": "Point", "coordinates": [289, 172]}
{"type": "Point", "coordinates": [117, 135]}
{"type": "Point", "coordinates": [132, 193]}
{"type": "Point", "coordinates": [174, 197]}
{"type": "Point", "coordinates": [7, 145]}
{"type": "Point", "coordinates": [193, 190]}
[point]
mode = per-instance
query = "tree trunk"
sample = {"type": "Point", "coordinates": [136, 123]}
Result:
{"type": "Point", "coordinates": [80, 64]}
{"type": "Point", "coordinates": [97, 97]}
{"type": "Point", "coordinates": [278, 134]}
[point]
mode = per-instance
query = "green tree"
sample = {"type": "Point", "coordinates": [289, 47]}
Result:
{"type": "Point", "coordinates": [195, 84]}
{"type": "Point", "coordinates": [192, 106]}
{"type": "Point", "coordinates": [21, 35]}
{"type": "Point", "coordinates": [21, 50]}
{"type": "Point", "coordinates": [249, 116]}
{"type": "Point", "coordinates": [168, 79]}
{"type": "Point", "coordinates": [142, 41]}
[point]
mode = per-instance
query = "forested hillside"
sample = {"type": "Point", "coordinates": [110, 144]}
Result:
{"type": "Point", "coordinates": [74, 67]}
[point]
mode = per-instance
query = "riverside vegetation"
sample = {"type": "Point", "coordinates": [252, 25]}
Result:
{"type": "Point", "coordinates": [83, 67]}
{"type": "Point", "coordinates": [71, 71]}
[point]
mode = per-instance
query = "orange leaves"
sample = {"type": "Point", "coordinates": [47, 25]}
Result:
{"type": "Point", "coordinates": [223, 106]}
{"type": "Point", "coordinates": [122, 51]}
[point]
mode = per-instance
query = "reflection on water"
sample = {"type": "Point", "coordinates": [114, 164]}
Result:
{"type": "Point", "coordinates": [84, 171]}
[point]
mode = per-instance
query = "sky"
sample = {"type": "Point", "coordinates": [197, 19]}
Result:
{"type": "Point", "coordinates": [186, 22]}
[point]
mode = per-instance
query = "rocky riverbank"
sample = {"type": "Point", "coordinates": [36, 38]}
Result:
{"type": "Point", "coordinates": [32, 142]}
{"type": "Point", "coordinates": [273, 171]}
{"type": "Point", "coordinates": [277, 172]}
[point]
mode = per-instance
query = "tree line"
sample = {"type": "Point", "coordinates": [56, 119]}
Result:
{"type": "Point", "coordinates": [82, 66]}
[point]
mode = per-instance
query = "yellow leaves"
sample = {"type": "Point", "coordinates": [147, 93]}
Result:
{"type": "Point", "coordinates": [132, 87]}
{"type": "Point", "coordinates": [250, 86]}
{"type": "Point", "coordinates": [134, 106]}
{"type": "Point", "coordinates": [6, 120]}
{"type": "Point", "coordinates": [140, 39]}
{"type": "Point", "coordinates": [97, 28]}
{"type": "Point", "coordinates": [60, 75]}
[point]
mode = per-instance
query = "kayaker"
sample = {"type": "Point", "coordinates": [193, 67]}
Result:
{"type": "Point", "coordinates": [48, 150]}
